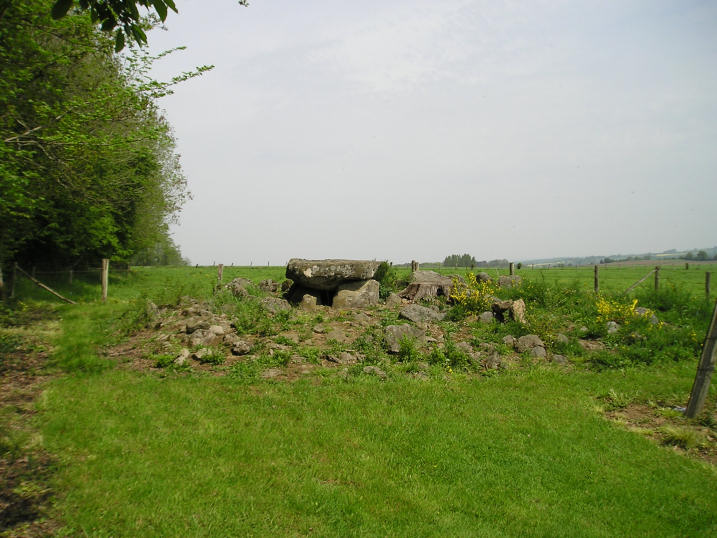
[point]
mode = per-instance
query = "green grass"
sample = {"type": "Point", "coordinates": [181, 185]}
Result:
{"type": "Point", "coordinates": [613, 278]}
{"type": "Point", "coordinates": [521, 452]}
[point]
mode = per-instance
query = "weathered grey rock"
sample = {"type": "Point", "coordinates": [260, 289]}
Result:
{"type": "Point", "coordinates": [418, 313]}
{"type": "Point", "coordinates": [201, 353]}
{"type": "Point", "coordinates": [239, 286]}
{"type": "Point", "coordinates": [393, 300]}
{"type": "Point", "coordinates": [196, 324]}
{"type": "Point", "coordinates": [269, 285]}
{"type": "Point", "coordinates": [492, 362]}
{"type": "Point", "coordinates": [483, 277]}
{"type": "Point", "coordinates": [427, 284]}
{"type": "Point", "coordinates": [517, 311]}
{"type": "Point", "coordinates": [357, 294]}
{"type": "Point", "coordinates": [374, 370]}
{"type": "Point", "coordinates": [275, 304]}
{"type": "Point", "coordinates": [183, 357]}
{"type": "Point", "coordinates": [362, 318]}
{"type": "Point", "coordinates": [486, 317]}
{"type": "Point", "coordinates": [343, 358]}
{"type": "Point", "coordinates": [241, 348]}
{"type": "Point", "coordinates": [514, 310]}
{"type": "Point", "coordinates": [528, 342]}
{"type": "Point", "coordinates": [329, 274]}
{"type": "Point", "coordinates": [509, 281]}
{"type": "Point", "coordinates": [486, 347]}
{"type": "Point", "coordinates": [509, 340]}
{"type": "Point", "coordinates": [560, 359]}
{"type": "Point", "coordinates": [202, 337]}
{"type": "Point", "coordinates": [465, 347]}
{"type": "Point", "coordinates": [217, 330]}
{"type": "Point", "coordinates": [538, 352]}
{"type": "Point", "coordinates": [644, 312]}
{"type": "Point", "coordinates": [591, 345]}
{"type": "Point", "coordinates": [308, 301]}
{"type": "Point", "coordinates": [561, 338]}
{"type": "Point", "coordinates": [286, 285]}
{"type": "Point", "coordinates": [612, 327]}
{"type": "Point", "coordinates": [338, 335]}
{"type": "Point", "coordinates": [394, 333]}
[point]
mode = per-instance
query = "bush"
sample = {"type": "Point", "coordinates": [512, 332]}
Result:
{"type": "Point", "coordinates": [473, 295]}
{"type": "Point", "coordinates": [387, 279]}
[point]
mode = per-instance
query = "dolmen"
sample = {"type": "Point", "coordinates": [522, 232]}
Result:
{"type": "Point", "coordinates": [337, 283]}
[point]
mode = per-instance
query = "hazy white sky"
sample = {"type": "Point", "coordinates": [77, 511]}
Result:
{"type": "Point", "coordinates": [413, 129]}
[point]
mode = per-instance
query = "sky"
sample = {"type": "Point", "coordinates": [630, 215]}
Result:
{"type": "Point", "coordinates": [416, 129]}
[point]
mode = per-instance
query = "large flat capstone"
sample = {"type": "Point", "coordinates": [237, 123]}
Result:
{"type": "Point", "coordinates": [329, 274]}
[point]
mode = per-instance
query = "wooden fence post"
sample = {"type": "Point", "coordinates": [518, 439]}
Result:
{"type": "Point", "coordinates": [511, 268]}
{"type": "Point", "coordinates": [687, 265]}
{"type": "Point", "coordinates": [220, 272]}
{"type": "Point", "coordinates": [701, 386]}
{"type": "Point", "coordinates": [657, 278]}
{"type": "Point", "coordinates": [596, 283]}
{"type": "Point", "coordinates": [708, 276]}
{"type": "Point", "coordinates": [105, 278]}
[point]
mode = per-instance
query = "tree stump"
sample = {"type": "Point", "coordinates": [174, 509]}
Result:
{"type": "Point", "coordinates": [426, 285]}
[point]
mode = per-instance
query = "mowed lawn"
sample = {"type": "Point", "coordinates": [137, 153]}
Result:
{"type": "Point", "coordinates": [522, 453]}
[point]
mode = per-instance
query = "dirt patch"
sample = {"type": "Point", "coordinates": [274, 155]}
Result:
{"type": "Point", "coordinates": [667, 426]}
{"type": "Point", "coordinates": [25, 468]}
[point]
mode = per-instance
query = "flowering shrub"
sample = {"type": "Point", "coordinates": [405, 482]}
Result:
{"type": "Point", "coordinates": [473, 294]}
{"type": "Point", "coordinates": [613, 310]}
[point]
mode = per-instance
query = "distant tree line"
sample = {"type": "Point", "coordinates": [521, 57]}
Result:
{"type": "Point", "coordinates": [88, 167]}
{"type": "Point", "coordinates": [466, 260]}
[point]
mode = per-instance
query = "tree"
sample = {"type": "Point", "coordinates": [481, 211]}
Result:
{"type": "Point", "coordinates": [120, 16]}
{"type": "Point", "coordinates": [87, 162]}
{"type": "Point", "coordinates": [701, 255]}
{"type": "Point", "coordinates": [460, 260]}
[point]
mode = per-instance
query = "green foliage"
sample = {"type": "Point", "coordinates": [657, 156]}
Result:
{"type": "Point", "coordinates": [163, 360]}
{"type": "Point", "coordinates": [408, 351]}
{"type": "Point", "coordinates": [459, 260]}
{"type": "Point", "coordinates": [87, 162]}
{"type": "Point", "coordinates": [473, 295]}
{"type": "Point", "coordinates": [685, 438]}
{"type": "Point", "coordinates": [249, 371]}
{"type": "Point", "coordinates": [120, 16]}
{"type": "Point", "coordinates": [387, 278]}
{"type": "Point", "coordinates": [215, 356]}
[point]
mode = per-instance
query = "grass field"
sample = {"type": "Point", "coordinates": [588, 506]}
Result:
{"type": "Point", "coordinates": [525, 451]}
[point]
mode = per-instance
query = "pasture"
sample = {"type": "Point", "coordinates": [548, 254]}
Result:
{"type": "Point", "coordinates": [440, 445]}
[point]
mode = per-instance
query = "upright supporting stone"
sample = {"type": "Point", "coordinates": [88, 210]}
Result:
{"type": "Point", "coordinates": [596, 284]}
{"type": "Point", "coordinates": [105, 278]}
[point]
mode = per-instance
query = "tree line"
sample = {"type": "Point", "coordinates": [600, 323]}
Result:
{"type": "Point", "coordinates": [88, 167]}
{"type": "Point", "coordinates": [466, 260]}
